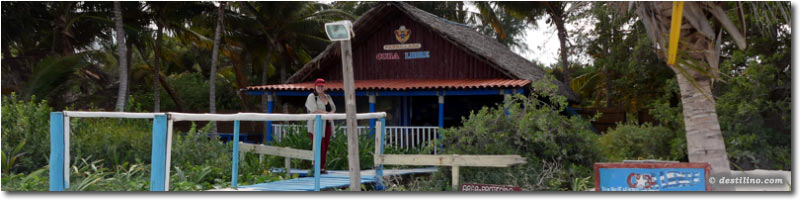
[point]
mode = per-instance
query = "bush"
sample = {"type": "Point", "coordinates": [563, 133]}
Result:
{"type": "Point", "coordinates": [558, 149]}
{"type": "Point", "coordinates": [112, 154]}
{"type": "Point", "coordinates": [634, 142]}
{"type": "Point", "coordinates": [26, 134]}
{"type": "Point", "coordinates": [337, 149]}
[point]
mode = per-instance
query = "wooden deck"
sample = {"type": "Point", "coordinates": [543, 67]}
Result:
{"type": "Point", "coordinates": [334, 179]}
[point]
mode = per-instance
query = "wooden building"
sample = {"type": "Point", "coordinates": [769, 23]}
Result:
{"type": "Point", "coordinates": [424, 71]}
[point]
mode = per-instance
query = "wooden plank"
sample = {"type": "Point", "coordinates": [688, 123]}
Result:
{"type": "Point", "coordinates": [450, 160]}
{"type": "Point", "coordinates": [277, 151]}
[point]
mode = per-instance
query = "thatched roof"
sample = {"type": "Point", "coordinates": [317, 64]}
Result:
{"type": "Point", "coordinates": [466, 38]}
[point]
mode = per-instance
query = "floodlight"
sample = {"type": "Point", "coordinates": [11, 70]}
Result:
{"type": "Point", "coordinates": [339, 30]}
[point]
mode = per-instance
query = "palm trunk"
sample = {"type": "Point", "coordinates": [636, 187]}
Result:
{"type": "Point", "coordinates": [241, 81]}
{"type": "Point", "coordinates": [156, 96]}
{"type": "Point", "coordinates": [129, 49]}
{"type": "Point", "coordinates": [558, 20]}
{"type": "Point", "coordinates": [212, 79]}
{"type": "Point", "coordinates": [703, 134]}
{"type": "Point", "coordinates": [176, 98]}
{"type": "Point", "coordinates": [123, 60]}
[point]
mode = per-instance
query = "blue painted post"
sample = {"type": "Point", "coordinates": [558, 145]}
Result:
{"type": "Point", "coordinates": [383, 139]}
{"type": "Point", "coordinates": [372, 109]}
{"type": "Point", "coordinates": [441, 120]}
{"type": "Point", "coordinates": [270, 103]}
{"type": "Point", "coordinates": [379, 168]}
{"type": "Point", "coordinates": [159, 152]}
{"type": "Point", "coordinates": [57, 181]}
{"type": "Point", "coordinates": [235, 167]}
{"type": "Point", "coordinates": [441, 111]}
{"type": "Point", "coordinates": [317, 151]}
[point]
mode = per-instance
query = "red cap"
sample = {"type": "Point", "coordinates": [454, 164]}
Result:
{"type": "Point", "coordinates": [319, 81]}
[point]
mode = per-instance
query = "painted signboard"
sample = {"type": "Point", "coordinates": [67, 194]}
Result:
{"type": "Point", "coordinates": [402, 35]}
{"type": "Point", "coordinates": [652, 176]}
{"type": "Point", "coordinates": [488, 188]}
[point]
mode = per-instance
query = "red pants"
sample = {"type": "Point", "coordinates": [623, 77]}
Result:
{"type": "Point", "coordinates": [324, 146]}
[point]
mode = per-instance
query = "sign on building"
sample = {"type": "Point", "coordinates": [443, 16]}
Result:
{"type": "Point", "coordinates": [652, 176]}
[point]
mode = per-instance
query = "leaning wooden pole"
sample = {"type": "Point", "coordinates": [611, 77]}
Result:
{"type": "Point", "coordinates": [350, 109]}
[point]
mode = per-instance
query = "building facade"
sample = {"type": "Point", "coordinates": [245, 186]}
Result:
{"type": "Point", "coordinates": [424, 71]}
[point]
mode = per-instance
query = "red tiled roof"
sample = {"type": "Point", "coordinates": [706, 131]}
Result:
{"type": "Point", "coordinates": [402, 84]}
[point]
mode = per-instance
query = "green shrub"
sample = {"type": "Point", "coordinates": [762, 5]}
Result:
{"type": "Point", "coordinates": [558, 148]}
{"type": "Point", "coordinates": [337, 149]}
{"type": "Point", "coordinates": [26, 134]}
{"type": "Point", "coordinates": [634, 142]}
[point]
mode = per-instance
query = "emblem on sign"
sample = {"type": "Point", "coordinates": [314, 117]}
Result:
{"type": "Point", "coordinates": [402, 34]}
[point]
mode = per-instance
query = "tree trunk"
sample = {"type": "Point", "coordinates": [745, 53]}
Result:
{"type": "Point", "coordinates": [129, 50]}
{"type": "Point", "coordinates": [703, 135]}
{"type": "Point", "coordinates": [212, 77]}
{"type": "Point", "coordinates": [176, 98]}
{"type": "Point", "coordinates": [241, 80]}
{"type": "Point", "coordinates": [123, 60]}
{"type": "Point", "coordinates": [156, 96]}
{"type": "Point", "coordinates": [558, 20]}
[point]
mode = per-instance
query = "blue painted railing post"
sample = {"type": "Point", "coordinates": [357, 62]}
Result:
{"type": "Point", "coordinates": [57, 181]}
{"type": "Point", "coordinates": [441, 119]}
{"type": "Point", "coordinates": [270, 103]}
{"type": "Point", "coordinates": [318, 132]}
{"type": "Point", "coordinates": [372, 110]}
{"type": "Point", "coordinates": [506, 97]}
{"type": "Point", "coordinates": [235, 166]}
{"type": "Point", "coordinates": [383, 141]}
{"type": "Point", "coordinates": [158, 156]}
{"type": "Point", "coordinates": [441, 110]}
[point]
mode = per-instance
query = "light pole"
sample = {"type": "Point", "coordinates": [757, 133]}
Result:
{"type": "Point", "coordinates": [343, 31]}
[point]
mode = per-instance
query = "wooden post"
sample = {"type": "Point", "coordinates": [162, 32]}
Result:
{"type": "Point", "coordinates": [57, 180]}
{"type": "Point", "coordinates": [378, 150]}
{"type": "Point", "coordinates": [372, 109]}
{"type": "Point", "coordinates": [235, 166]}
{"type": "Point", "coordinates": [169, 154]}
{"type": "Point", "coordinates": [350, 109]}
{"type": "Point", "coordinates": [289, 166]}
{"type": "Point", "coordinates": [318, 131]}
{"type": "Point", "coordinates": [268, 126]}
{"type": "Point", "coordinates": [158, 154]}
{"type": "Point", "coordinates": [455, 177]}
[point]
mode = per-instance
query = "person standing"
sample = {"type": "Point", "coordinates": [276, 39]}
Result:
{"type": "Point", "coordinates": [320, 102]}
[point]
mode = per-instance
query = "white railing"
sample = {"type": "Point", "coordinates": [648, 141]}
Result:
{"type": "Point", "coordinates": [400, 137]}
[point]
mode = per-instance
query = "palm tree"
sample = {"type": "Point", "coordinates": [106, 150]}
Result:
{"type": "Point", "coordinates": [291, 29]}
{"type": "Point", "coordinates": [532, 11]}
{"type": "Point", "coordinates": [697, 65]}
{"type": "Point", "coordinates": [170, 16]}
{"type": "Point", "coordinates": [122, 52]}
{"type": "Point", "coordinates": [212, 94]}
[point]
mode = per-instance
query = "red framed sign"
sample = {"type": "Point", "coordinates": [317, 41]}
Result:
{"type": "Point", "coordinates": [652, 176]}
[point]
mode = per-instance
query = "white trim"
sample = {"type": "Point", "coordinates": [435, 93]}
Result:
{"type": "Point", "coordinates": [169, 154]}
{"type": "Point", "coordinates": [266, 117]}
{"type": "Point", "coordinates": [66, 152]}
{"type": "Point", "coordinates": [111, 114]}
